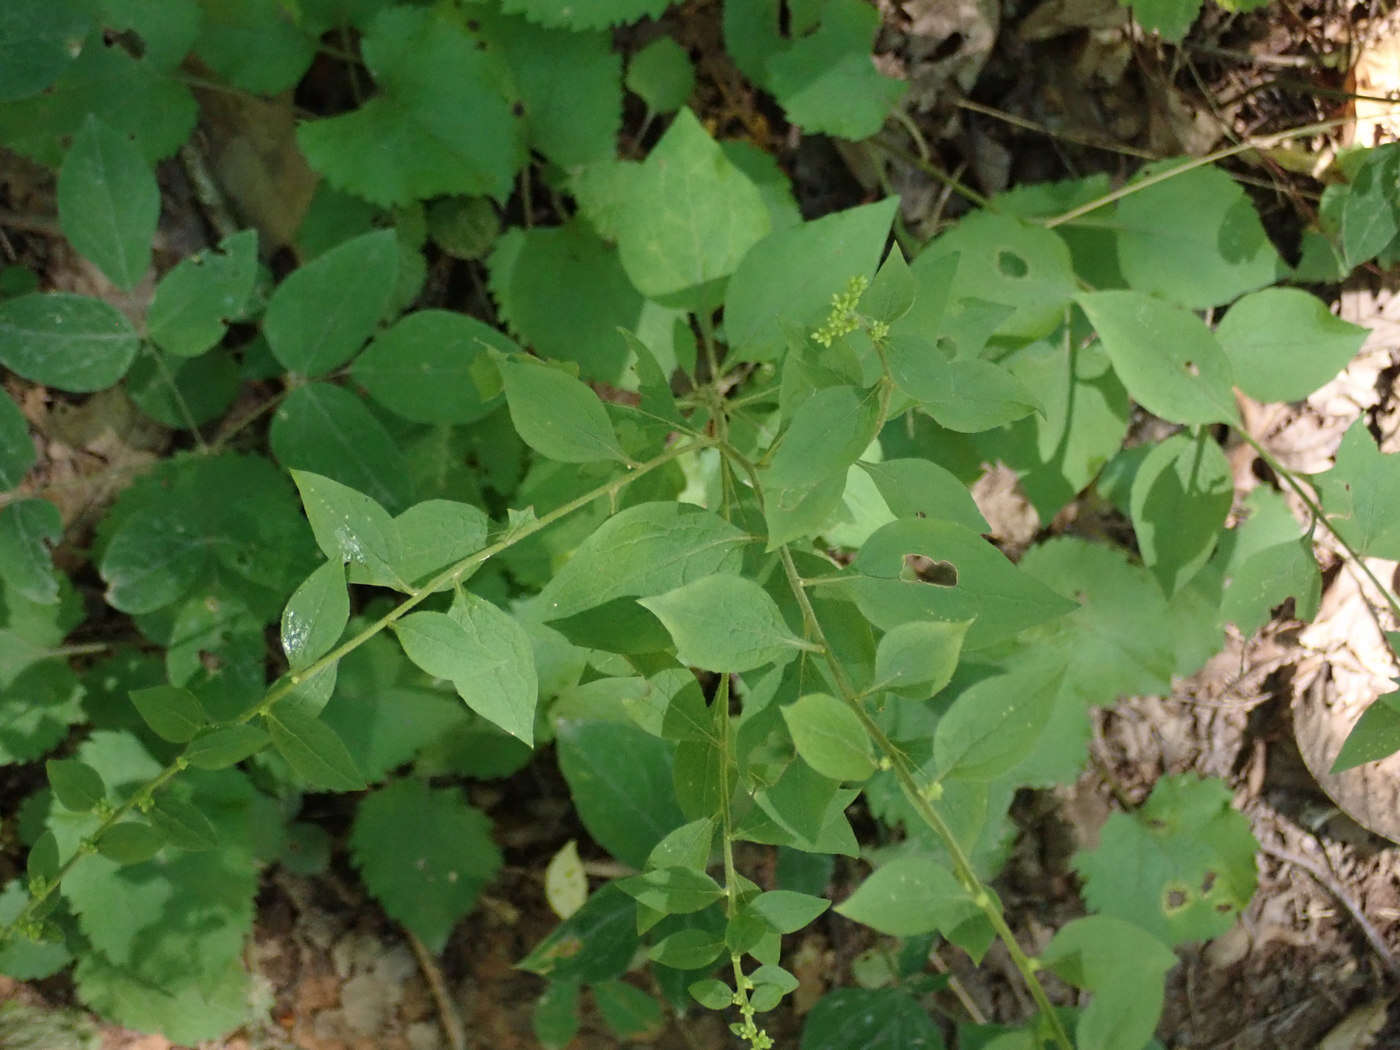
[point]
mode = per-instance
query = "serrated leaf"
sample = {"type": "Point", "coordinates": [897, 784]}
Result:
{"type": "Point", "coordinates": [692, 217]}
{"type": "Point", "coordinates": [425, 854]}
{"type": "Point", "coordinates": [76, 785]}
{"type": "Point", "coordinates": [643, 551]}
{"type": "Point", "coordinates": [37, 41]}
{"type": "Point", "coordinates": [917, 659]}
{"type": "Point", "coordinates": [220, 748]}
{"type": "Point", "coordinates": [1284, 343]}
{"type": "Point", "coordinates": [1165, 356]}
{"type": "Point", "coordinates": [1360, 493]}
{"type": "Point", "coordinates": [324, 311]}
{"type": "Point", "coordinates": [316, 754]}
{"type": "Point", "coordinates": [620, 780]}
{"type": "Point", "coordinates": [826, 81]}
{"type": "Point", "coordinates": [1181, 867]}
{"type": "Point", "coordinates": [557, 415]}
{"type": "Point", "coordinates": [786, 281]}
{"type": "Point", "coordinates": [1193, 239]}
{"type": "Point", "coordinates": [1180, 497]}
{"type": "Point", "coordinates": [994, 724]}
{"type": "Point", "coordinates": [69, 342]}
{"type": "Point", "coordinates": [909, 896]}
{"type": "Point", "coordinates": [1376, 735]}
{"type": "Point", "coordinates": [828, 432]}
{"type": "Point", "coordinates": [829, 737]}
{"type": "Point", "coordinates": [349, 526]}
{"type": "Point", "coordinates": [596, 943]}
{"type": "Point", "coordinates": [423, 367]}
{"type": "Point", "coordinates": [182, 824]}
{"type": "Point", "coordinates": [195, 301]}
{"type": "Point", "coordinates": [173, 713]}
{"type": "Point", "coordinates": [869, 1019]}
{"type": "Point", "coordinates": [660, 74]}
{"type": "Point", "coordinates": [725, 623]}
{"type": "Point", "coordinates": [108, 202]}
{"type": "Point", "coordinates": [315, 615]}
{"type": "Point", "coordinates": [28, 530]}
{"type": "Point", "coordinates": [130, 842]}
{"type": "Point", "coordinates": [1370, 219]}
{"type": "Point", "coordinates": [440, 123]}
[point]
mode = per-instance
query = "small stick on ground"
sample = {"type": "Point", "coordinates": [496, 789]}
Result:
{"type": "Point", "coordinates": [447, 1009]}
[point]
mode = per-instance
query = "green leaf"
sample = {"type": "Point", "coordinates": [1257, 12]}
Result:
{"type": "Point", "coordinates": [65, 341]}
{"type": "Point", "coordinates": [75, 784]}
{"type": "Point", "coordinates": [108, 202]}
{"type": "Point", "coordinates": [829, 737]}
{"type": "Point", "coordinates": [423, 367]}
{"type": "Point", "coordinates": [440, 123]}
{"type": "Point", "coordinates": [672, 891]}
{"type": "Point", "coordinates": [1123, 966]}
{"type": "Point", "coordinates": [314, 751]}
{"type": "Point", "coordinates": [1003, 260]}
{"type": "Point", "coordinates": [425, 854]}
{"type": "Point", "coordinates": [1360, 492]}
{"type": "Point", "coordinates": [916, 488]}
{"type": "Point", "coordinates": [1193, 239]}
{"type": "Point", "coordinates": [1370, 216]}
{"type": "Point", "coordinates": [43, 860]}
{"type": "Point", "coordinates": [692, 217]}
{"type": "Point", "coordinates": [221, 748]}
{"type": "Point", "coordinates": [917, 659]}
{"type": "Point", "coordinates": [315, 615]}
{"type": "Point", "coordinates": [826, 81]}
{"type": "Point", "coordinates": [1180, 497]}
{"type": "Point", "coordinates": [435, 534]}
{"type": "Point", "coordinates": [628, 1011]}
{"type": "Point", "coordinates": [182, 824]}
{"type": "Point", "coordinates": [130, 842]}
{"type": "Point", "coordinates": [1267, 578]}
{"type": "Point", "coordinates": [966, 396]}
{"type": "Point", "coordinates": [555, 1018]}
{"type": "Point", "coordinates": [324, 311]}
{"type": "Point", "coordinates": [891, 295]}
{"type": "Point", "coordinates": [195, 301]}
{"type": "Point", "coordinates": [183, 393]}
{"type": "Point", "coordinates": [166, 29]}
{"type": "Point", "coordinates": [1165, 356]}
{"type": "Point", "coordinates": [1376, 735]}
{"type": "Point", "coordinates": [869, 1019]}
{"type": "Point", "coordinates": [620, 780]}
{"type": "Point", "coordinates": [994, 724]}
{"type": "Point", "coordinates": [787, 911]}
{"type": "Point", "coordinates": [909, 896]}
{"type": "Point", "coordinates": [1284, 343]}
{"type": "Point", "coordinates": [595, 943]}
{"type": "Point", "coordinates": [725, 623]}
{"type": "Point", "coordinates": [591, 14]}
{"type": "Point", "coordinates": [173, 713]}
{"type": "Point", "coordinates": [17, 453]}
{"type": "Point", "coordinates": [463, 227]}
{"type": "Point", "coordinates": [38, 39]}
{"type": "Point", "coordinates": [687, 949]}
{"type": "Point", "coordinates": [28, 530]}
{"type": "Point", "coordinates": [349, 526]}
{"type": "Point", "coordinates": [828, 433]}
{"type": "Point", "coordinates": [256, 45]}
{"type": "Point", "coordinates": [1181, 867]}
{"type": "Point", "coordinates": [557, 415]}
{"type": "Point", "coordinates": [1168, 18]}
{"type": "Point", "coordinates": [661, 75]}
{"type": "Point", "coordinates": [786, 281]}
{"type": "Point", "coordinates": [23, 959]}
{"type": "Point", "coordinates": [529, 267]}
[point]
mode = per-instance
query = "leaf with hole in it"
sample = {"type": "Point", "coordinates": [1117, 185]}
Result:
{"type": "Point", "coordinates": [829, 737]}
{"type": "Point", "coordinates": [69, 342]}
{"type": "Point", "coordinates": [1168, 360]}
{"type": "Point", "coordinates": [195, 301]}
{"type": "Point", "coordinates": [557, 415]}
{"type": "Point", "coordinates": [726, 624]}
{"type": "Point", "coordinates": [314, 751]}
{"type": "Point", "coordinates": [349, 526]}
{"type": "Point", "coordinates": [315, 615]}
{"type": "Point", "coordinates": [172, 712]}
{"type": "Point", "coordinates": [28, 530]}
{"type": "Point", "coordinates": [1284, 343]}
{"type": "Point", "coordinates": [1180, 497]}
{"type": "Point", "coordinates": [324, 311]}
{"type": "Point", "coordinates": [108, 202]}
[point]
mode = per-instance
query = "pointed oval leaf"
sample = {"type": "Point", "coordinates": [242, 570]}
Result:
{"type": "Point", "coordinates": [556, 415]}
{"type": "Point", "coordinates": [829, 431]}
{"type": "Point", "coordinates": [917, 659]}
{"type": "Point", "coordinates": [321, 314]}
{"type": "Point", "coordinates": [725, 623]}
{"type": "Point", "coordinates": [17, 453]}
{"type": "Point", "coordinates": [1284, 343]}
{"type": "Point", "coordinates": [108, 202]}
{"type": "Point", "coordinates": [829, 737]}
{"type": "Point", "coordinates": [688, 949]}
{"type": "Point", "coordinates": [173, 713]}
{"type": "Point", "coordinates": [595, 943]}
{"type": "Point", "coordinates": [196, 300]}
{"type": "Point", "coordinates": [1180, 497]}
{"type": "Point", "coordinates": [38, 40]}
{"type": "Point", "coordinates": [182, 824]}
{"type": "Point", "coordinates": [909, 896]}
{"type": "Point", "coordinates": [75, 784]}
{"type": "Point", "coordinates": [1166, 357]}
{"type": "Point", "coordinates": [315, 615]}
{"type": "Point", "coordinates": [994, 724]}
{"type": "Point", "coordinates": [869, 1019]}
{"type": "Point", "coordinates": [435, 534]}
{"type": "Point", "coordinates": [42, 863]}
{"type": "Point", "coordinates": [788, 911]}
{"type": "Point", "coordinates": [130, 842]}
{"type": "Point", "coordinates": [314, 751]}
{"type": "Point", "coordinates": [349, 526]}
{"type": "Point", "coordinates": [221, 748]}
{"type": "Point", "coordinates": [69, 342]}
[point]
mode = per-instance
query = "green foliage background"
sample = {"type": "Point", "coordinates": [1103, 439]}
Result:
{"type": "Point", "coordinates": [467, 554]}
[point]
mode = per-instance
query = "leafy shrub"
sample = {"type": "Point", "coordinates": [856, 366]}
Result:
{"type": "Point", "coordinates": [468, 554]}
